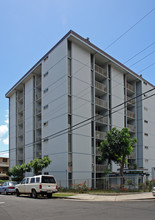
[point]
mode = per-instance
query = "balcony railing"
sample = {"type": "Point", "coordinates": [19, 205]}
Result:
{"type": "Point", "coordinates": [100, 134]}
{"type": "Point", "coordinates": [101, 102]}
{"type": "Point", "coordinates": [38, 124]}
{"type": "Point", "coordinates": [101, 168]}
{"type": "Point", "coordinates": [100, 86]}
{"type": "Point", "coordinates": [131, 128]}
{"type": "Point", "coordinates": [38, 110]}
{"type": "Point", "coordinates": [20, 121]}
{"type": "Point", "coordinates": [20, 132]}
{"type": "Point", "coordinates": [132, 155]}
{"type": "Point", "coordinates": [130, 87]}
{"type": "Point", "coordinates": [101, 119]}
{"type": "Point", "coordinates": [38, 95]}
{"type": "Point", "coordinates": [20, 109]}
{"type": "Point", "coordinates": [100, 70]}
{"type": "Point", "coordinates": [130, 100]}
{"type": "Point", "coordinates": [130, 114]}
{"type": "Point", "coordinates": [38, 82]}
{"type": "Point", "coordinates": [20, 96]}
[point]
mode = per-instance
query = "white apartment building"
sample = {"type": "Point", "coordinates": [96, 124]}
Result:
{"type": "Point", "coordinates": [75, 82]}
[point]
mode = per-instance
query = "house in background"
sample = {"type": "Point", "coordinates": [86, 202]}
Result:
{"type": "Point", "coordinates": [76, 82]}
{"type": "Point", "coordinates": [4, 167]}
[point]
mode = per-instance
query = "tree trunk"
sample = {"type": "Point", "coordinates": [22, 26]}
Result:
{"type": "Point", "coordinates": [122, 172]}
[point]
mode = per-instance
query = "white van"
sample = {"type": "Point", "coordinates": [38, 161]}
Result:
{"type": "Point", "coordinates": [41, 184]}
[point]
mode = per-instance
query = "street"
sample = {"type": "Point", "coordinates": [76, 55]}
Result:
{"type": "Point", "coordinates": [26, 208]}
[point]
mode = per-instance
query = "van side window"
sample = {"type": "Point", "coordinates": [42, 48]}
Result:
{"type": "Point", "coordinates": [27, 180]}
{"type": "Point", "coordinates": [32, 180]}
{"type": "Point", "coordinates": [38, 180]}
{"type": "Point", "coordinates": [23, 181]}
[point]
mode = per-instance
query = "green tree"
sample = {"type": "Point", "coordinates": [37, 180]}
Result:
{"type": "Point", "coordinates": [18, 171]}
{"type": "Point", "coordinates": [39, 164]}
{"type": "Point", "coordinates": [116, 147]}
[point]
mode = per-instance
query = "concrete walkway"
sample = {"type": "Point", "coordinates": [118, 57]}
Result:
{"type": "Point", "coordinates": [134, 196]}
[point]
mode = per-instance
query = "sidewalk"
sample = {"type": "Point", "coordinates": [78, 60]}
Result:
{"type": "Point", "coordinates": [127, 197]}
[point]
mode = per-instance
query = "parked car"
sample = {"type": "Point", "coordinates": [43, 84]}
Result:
{"type": "Point", "coordinates": [7, 187]}
{"type": "Point", "coordinates": [153, 191]}
{"type": "Point", "coordinates": [41, 184]}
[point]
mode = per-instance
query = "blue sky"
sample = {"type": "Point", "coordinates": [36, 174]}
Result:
{"type": "Point", "coordinates": [28, 29]}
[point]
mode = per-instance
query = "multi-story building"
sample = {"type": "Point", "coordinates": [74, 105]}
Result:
{"type": "Point", "coordinates": [63, 106]}
{"type": "Point", "coordinates": [4, 167]}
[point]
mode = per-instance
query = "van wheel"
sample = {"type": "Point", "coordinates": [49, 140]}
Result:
{"type": "Point", "coordinates": [17, 193]}
{"type": "Point", "coordinates": [34, 194]}
{"type": "Point", "coordinates": [49, 195]}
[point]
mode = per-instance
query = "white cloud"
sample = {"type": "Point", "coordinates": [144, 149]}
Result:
{"type": "Point", "coordinates": [3, 130]}
{"type": "Point", "coordinates": [4, 155]}
{"type": "Point", "coordinates": [6, 141]}
{"type": "Point", "coordinates": [7, 117]}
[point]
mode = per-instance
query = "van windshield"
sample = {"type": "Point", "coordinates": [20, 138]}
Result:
{"type": "Point", "coordinates": [48, 179]}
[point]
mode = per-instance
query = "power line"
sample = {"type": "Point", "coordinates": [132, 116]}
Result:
{"type": "Point", "coordinates": [142, 59]}
{"type": "Point", "coordinates": [129, 29]}
{"type": "Point", "coordinates": [71, 128]}
{"type": "Point", "coordinates": [139, 53]}
{"type": "Point", "coordinates": [146, 67]}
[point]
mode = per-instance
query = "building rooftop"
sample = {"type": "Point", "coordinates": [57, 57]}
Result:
{"type": "Point", "coordinates": [85, 41]}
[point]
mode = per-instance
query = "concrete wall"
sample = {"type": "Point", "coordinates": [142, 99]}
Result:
{"type": "Point", "coordinates": [148, 129]}
{"type": "Point", "coordinates": [57, 112]}
{"type": "Point", "coordinates": [81, 110]}
{"type": "Point", "coordinates": [29, 120]}
{"type": "Point", "coordinates": [117, 97]}
{"type": "Point", "coordinates": [12, 130]}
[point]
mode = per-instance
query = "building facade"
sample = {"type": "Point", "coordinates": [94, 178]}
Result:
{"type": "Point", "coordinates": [65, 104]}
{"type": "Point", "coordinates": [4, 167]}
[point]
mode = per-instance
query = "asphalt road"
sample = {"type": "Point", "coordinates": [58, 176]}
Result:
{"type": "Point", "coordinates": [25, 208]}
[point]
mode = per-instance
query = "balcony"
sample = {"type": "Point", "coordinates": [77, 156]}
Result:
{"type": "Point", "coordinates": [101, 103]}
{"type": "Point", "coordinates": [20, 156]}
{"type": "Point", "coordinates": [38, 125]}
{"type": "Point", "coordinates": [20, 121]}
{"type": "Point", "coordinates": [69, 168]}
{"type": "Point", "coordinates": [100, 135]}
{"type": "Point", "coordinates": [101, 87]}
{"type": "Point", "coordinates": [101, 168]}
{"type": "Point", "coordinates": [101, 119]}
{"type": "Point", "coordinates": [20, 97]}
{"type": "Point", "coordinates": [38, 95]}
{"type": "Point", "coordinates": [20, 109]}
{"type": "Point", "coordinates": [38, 82]}
{"type": "Point", "coordinates": [130, 114]}
{"type": "Point", "coordinates": [38, 139]}
{"type": "Point", "coordinates": [99, 70]}
{"type": "Point", "coordinates": [130, 88]}
{"type": "Point", "coordinates": [98, 152]}
{"type": "Point", "coordinates": [20, 132]}
{"type": "Point", "coordinates": [130, 101]}
{"type": "Point", "coordinates": [132, 155]}
{"type": "Point", "coordinates": [131, 128]}
{"type": "Point", "coordinates": [38, 110]}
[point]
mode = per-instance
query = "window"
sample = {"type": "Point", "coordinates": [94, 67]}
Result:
{"type": "Point", "coordinates": [45, 107]}
{"type": "Point", "coordinates": [145, 83]}
{"type": "Point", "coordinates": [45, 58]}
{"type": "Point", "coordinates": [48, 179]}
{"type": "Point", "coordinates": [32, 180]}
{"type": "Point", "coordinates": [146, 121]}
{"type": "Point", "coordinates": [146, 147]}
{"type": "Point", "coordinates": [23, 181]}
{"type": "Point", "coordinates": [4, 160]}
{"type": "Point", "coordinates": [45, 123]}
{"type": "Point", "coordinates": [146, 160]}
{"type": "Point", "coordinates": [38, 180]}
{"type": "Point", "coordinates": [146, 134]}
{"type": "Point", "coordinates": [45, 74]}
{"type": "Point", "coordinates": [45, 90]}
{"type": "Point", "coordinates": [145, 108]}
{"type": "Point", "coordinates": [45, 139]}
{"type": "Point", "coordinates": [27, 180]}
